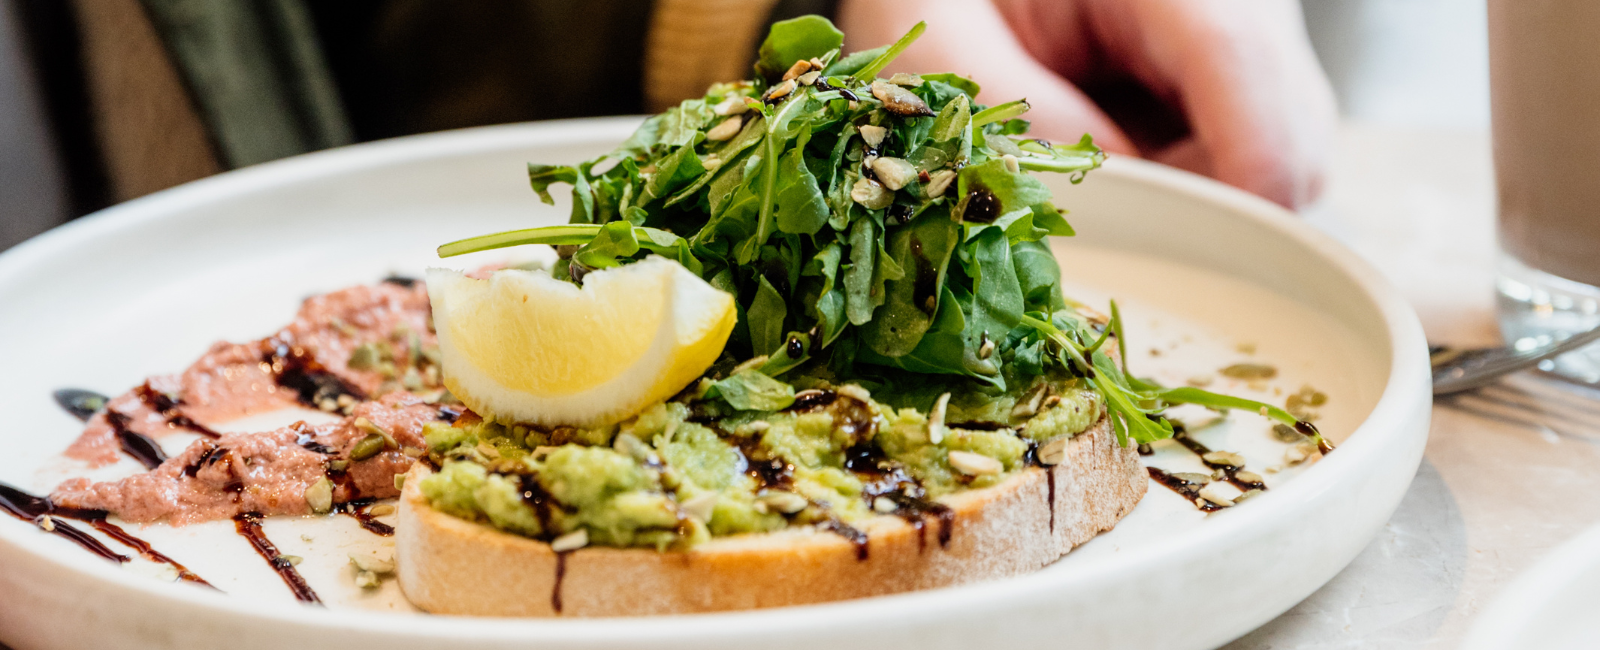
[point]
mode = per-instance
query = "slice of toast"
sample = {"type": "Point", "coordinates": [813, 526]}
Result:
{"type": "Point", "coordinates": [452, 566]}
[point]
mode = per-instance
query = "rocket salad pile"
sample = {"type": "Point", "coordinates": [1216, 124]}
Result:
{"type": "Point", "coordinates": [885, 232]}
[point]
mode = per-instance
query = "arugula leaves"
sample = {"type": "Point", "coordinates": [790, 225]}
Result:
{"type": "Point", "coordinates": [793, 40]}
{"type": "Point", "coordinates": [862, 238]}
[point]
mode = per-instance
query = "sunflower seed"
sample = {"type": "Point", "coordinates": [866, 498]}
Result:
{"type": "Point", "coordinates": [733, 105]}
{"type": "Point", "coordinates": [1220, 493]}
{"type": "Point", "coordinates": [938, 182]}
{"type": "Point", "coordinates": [701, 506]}
{"type": "Point", "coordinates": [854, 391]}
{"type": "Point", "coordinates": [873, 135]}
{"type": "Point", "coordinates": [894, 173]}
{"type": "Point", "coordinates": [1053, 452]}
{"type": "Point", "coordinates": [808, 78]}
{"type": "Point", "coordinates": [904, 79]}
{"type": "Point", "coordinates": [1223, 458]}
{"type": "Point", "coordinates": [936, 419]}
{"type": "Point", "coordinates": [900, 101]}
{"type": "Point", "coordinates": [1029, 405]}
{"type": "Point", "coordinates": [972, 464]}
{"type": "Point", "coordinates": [870, 194]}
{"type": "Point", "coordinates": [799, 68]}
{"type": "Point", "coordinates": [1300, 452]}
{"type": "Point", "coordinates": [883, 505]}
{"type": "Point", "coordinates": [1249, 371]}
{"type": "Point", "coordinates": [785, 502]}
{"type": "Point", "coordinates": [781, 90]}
{"type": "Point", "coordinates": [725, 129]}
{"type": "Point", "coordinates": [571, 541]}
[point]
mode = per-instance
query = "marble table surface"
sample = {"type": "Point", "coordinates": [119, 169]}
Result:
{"type": "Point", "coordinates": [1510, 471]}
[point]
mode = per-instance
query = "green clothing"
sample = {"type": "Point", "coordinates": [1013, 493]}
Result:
{"type": "Point", "coordinates": [273, 78]}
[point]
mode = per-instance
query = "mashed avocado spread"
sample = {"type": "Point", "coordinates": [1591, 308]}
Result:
{"type": "Point", "coordinates": [684, 471]}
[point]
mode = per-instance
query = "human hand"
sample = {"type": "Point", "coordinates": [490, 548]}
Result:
{"type": "Point", "coordinates": [1225, 88]}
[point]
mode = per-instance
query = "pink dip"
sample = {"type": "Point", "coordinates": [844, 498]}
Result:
{"type": "Point", "coordinates": [266, 472]}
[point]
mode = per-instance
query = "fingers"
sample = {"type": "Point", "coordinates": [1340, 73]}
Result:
{"type": "Point", "coordinates": [1259, 106]}
{"type": "Point", "coordinates": [970, 38]}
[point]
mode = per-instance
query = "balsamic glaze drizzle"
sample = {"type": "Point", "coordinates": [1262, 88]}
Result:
{"type": "Point", "coordinates": [1229, 472]}
{"type": "Point", "coordinates": [1187, 490]}
{"type": "Point", "coordinates": [34, 509]}
{"type": "Point", "coordinates": [1050, 495]}
{"type": "Point", "coordinates": [141, 447]}
{"type": "Point", "coordinates": [360, 510]}
{"type": "Point", "coordinates": [561, 574]}
{"type": "Point", "coordinates": [80, 403]}
{"type": "Point", "coordinates": [1310, 431]}
{"type": "Point", "coordinates": [294, 367]}
{"type": "Point", "coordinates": [249, 526]}
{"type": "Point", "coordinates": [168, 407]}
{"type": "Point", "coordinates": [850, 533]}
{"type": "Point", "coordinates": [150, 553]}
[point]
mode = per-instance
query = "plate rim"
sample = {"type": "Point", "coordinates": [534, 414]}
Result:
{"type": "Point", "coordinates": [1408, 379]}
{"type": "Point", "coordinates": [1521, 603]}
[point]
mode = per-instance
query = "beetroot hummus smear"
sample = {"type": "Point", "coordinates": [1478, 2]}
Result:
{"type": "Point", "coordinates": [367, 353]}
{"type": "Point", "coordinates": [270, 473]}
{"type": "Point", "coordinates": [342, 347]}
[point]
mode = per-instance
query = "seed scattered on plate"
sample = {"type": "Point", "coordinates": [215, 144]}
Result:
{"type": "Point", "coordinates": [1286, 433]}
{"type": "Point", "coordinates": [1223, 458]}
{"type": "Point", "coordinates": [1220, 492]}
{"type": "Point", "coordinates": [1247, 371]}
{"type": "Point", "coordinates": [1300, 452]}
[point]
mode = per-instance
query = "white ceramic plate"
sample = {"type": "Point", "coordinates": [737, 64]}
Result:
{"type": "Point", "coordinates": [1550, 606]}
{"type": "Point", "coordinates": [1202, 272]}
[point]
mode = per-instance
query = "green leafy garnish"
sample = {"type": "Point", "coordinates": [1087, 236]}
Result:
{"type": "Point", "coordinates": [885, 232]}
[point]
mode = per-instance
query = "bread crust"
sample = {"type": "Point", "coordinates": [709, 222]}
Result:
{"type": "Point", "coordinates": [452, 566]}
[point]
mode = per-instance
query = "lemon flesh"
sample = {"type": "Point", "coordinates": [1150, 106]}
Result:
{"type": "Point", "coordinates": [525, 347]}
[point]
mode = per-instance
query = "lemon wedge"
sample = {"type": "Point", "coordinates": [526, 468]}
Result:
{"type": "Point", "coordinates": [522, 346]}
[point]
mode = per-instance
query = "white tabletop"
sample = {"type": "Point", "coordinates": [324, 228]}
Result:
{"type": "Point", "coordinates": [1510, 471]}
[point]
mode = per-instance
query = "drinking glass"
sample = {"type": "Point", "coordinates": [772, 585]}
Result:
{"type": "Point", "coordinates": [1544, 75]}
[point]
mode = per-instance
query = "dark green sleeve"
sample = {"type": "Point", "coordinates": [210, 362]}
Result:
{"type": "Point", "coordinates": [256, 73]}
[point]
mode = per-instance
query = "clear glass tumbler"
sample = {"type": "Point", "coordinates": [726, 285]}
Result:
{"type": "Point", "coordinates": [1544, 72]}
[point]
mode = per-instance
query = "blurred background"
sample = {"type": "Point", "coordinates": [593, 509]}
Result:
{"type": "Point", "coordinates": [102, 101]}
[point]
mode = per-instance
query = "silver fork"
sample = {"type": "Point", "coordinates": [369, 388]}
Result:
{"type": "Point", "coordinates": [1459, 370]}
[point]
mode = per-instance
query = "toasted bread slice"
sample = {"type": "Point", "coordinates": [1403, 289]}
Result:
{"type": "Point", "coordinates": [452, 566]}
